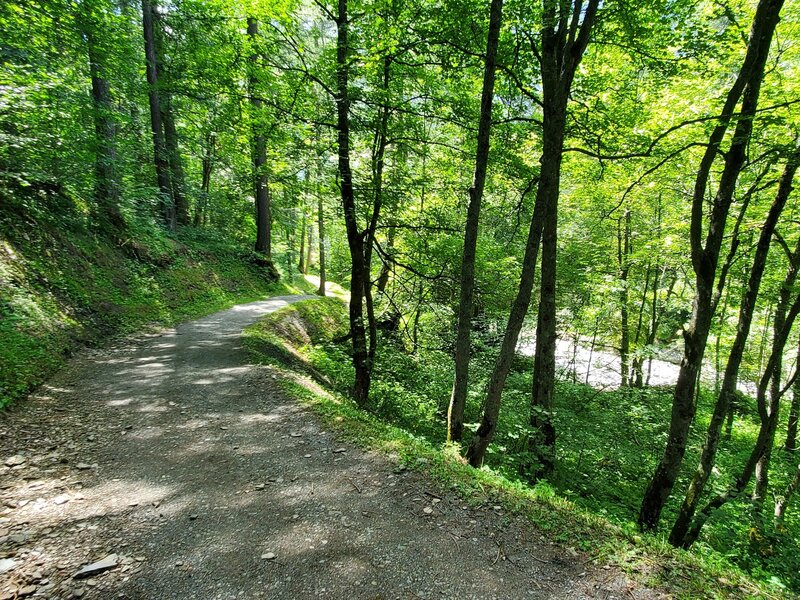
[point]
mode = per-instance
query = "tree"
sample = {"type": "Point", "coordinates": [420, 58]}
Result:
{"type": "Point", "coordinates": [156, 122]}
{"type": "Point", "coordinates": [259, 149]}
{"type": "Point", "coordinates": [564, 37]}
{"type": "Point", "coordinates": [705, 256]}
{"type": "Point", "coordinates": [455, 413]}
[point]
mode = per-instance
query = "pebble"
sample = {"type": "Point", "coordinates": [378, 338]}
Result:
{"type": "Point", "coordinates": [268, 556]}
{"type": "Point", "coordinates": [15, 461]}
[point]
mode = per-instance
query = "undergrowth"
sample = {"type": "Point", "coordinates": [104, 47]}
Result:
{"type": "Point", "coordinates": [588, 507]}
{"type": "Point", "coordinates": [64, 283]}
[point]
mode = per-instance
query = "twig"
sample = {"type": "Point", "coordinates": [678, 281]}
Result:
{"type": "Point", "coordinates": [353, 483]}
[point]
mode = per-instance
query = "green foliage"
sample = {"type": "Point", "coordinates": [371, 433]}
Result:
{"type": "Point", "coordinates": [408, 439]}
{"type": "Point", "coordinates": [62, 284]}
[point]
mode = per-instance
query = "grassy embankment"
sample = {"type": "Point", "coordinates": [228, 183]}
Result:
{"type": "Point", "coordinates": [63, 284]}
{"type": "Point", "coordinates": [611, 443]}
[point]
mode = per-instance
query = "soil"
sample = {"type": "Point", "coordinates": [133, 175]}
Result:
{"type": "Point", "coordinates": [173, 453]}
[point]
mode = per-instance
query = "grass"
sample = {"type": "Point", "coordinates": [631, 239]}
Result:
{"type": "Point", "coordinates": [648, 559]}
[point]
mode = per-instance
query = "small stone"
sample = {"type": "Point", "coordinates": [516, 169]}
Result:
{"type": "Point", "coordinates": [15, 460]}
{"type": "Point", "coordinates": [193, 517]}
{"type": "Point", "coordinates": [109, 562]}
{"type": "Point", "coordinates": [295, 434]}
{"type": "Point", "coordinates": [62, 499]}
{"type": "Point", "coordinates": [178, 563]}
{"type": "Point", "coordinates": [268, 556]}
{"type": "Point", "coordinates": [83, 466]}
{"type": "Point", "coordinates": [6, 564]}
{"type": "Point", "coordinates": [26, 591]}
{"type": "Point", "coordinates": [306, 456]}
{"type": "Point", "coordinates": [339, 450]}
{"type": "Point", "coordinates": [259, 486]}
{"type": "Point", "coordinates": [427, 510]}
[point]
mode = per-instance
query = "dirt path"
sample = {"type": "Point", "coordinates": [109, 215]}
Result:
{"type": "Point", "coordinates": [175, 454]}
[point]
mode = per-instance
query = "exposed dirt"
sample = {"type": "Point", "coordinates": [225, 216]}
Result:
{"type": "Point", "coordinates": [175, 454]}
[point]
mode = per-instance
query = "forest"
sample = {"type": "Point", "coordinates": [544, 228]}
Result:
{"type": "Point", "coordinates": [511, 192]}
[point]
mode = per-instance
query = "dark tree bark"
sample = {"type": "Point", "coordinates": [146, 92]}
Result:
{"type": "Point", "coordinates": [458, 397]}
{"type": "Point", "coordinates": [731, 377]}
{"type": "Point", "coordinates": [560, 57]}
{"type": "Point", "coordinates": [768, 413]}
{"type": "Point", "coordinates": [156, 126]}
{"type": "Point", "coordinates": [355, 240]}
{"type": "Point", "coordinates": [705, 256]}
{"type": "Point", "coordinates": [564, 40]}
{"type": "Point", "coordinates": [259, 150]}
{"type": "Point", "coordinates": [201, 210]}
{"type": "Point", "coordinates": [107, 193]}
{"type": "Point", "coordinates": [177, 179]}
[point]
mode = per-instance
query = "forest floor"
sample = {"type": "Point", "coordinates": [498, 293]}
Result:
{"type": "Point", "coordinates": [187, 467]}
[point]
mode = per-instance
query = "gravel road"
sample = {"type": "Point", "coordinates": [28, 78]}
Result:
{"type": "Point", "coordinates": [174, 454]}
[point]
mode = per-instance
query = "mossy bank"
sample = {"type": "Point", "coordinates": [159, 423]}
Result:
{"type": "Point", "coordinates": [65, 283]}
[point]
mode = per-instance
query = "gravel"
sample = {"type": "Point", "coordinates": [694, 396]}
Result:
{"type": "Point", "coordinates": [172, 453]}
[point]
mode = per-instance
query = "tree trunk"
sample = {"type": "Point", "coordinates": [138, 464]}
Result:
{"type": "Point", "coordinates": [177, 180]}
{"type": "Point", "coordinates": [301, 263]}
{"type": "Point", "coordinates": [623, 256]}
{"type": "Point", "coordinates": [107, 192]}
{"type": "Point", "coordinates": [201, 210]}
{"type": "Point", "coordinates": [561, 53]}
{"type": "Point", "coordinates": [768, 412]}
{"type": "Point", "coordinates": [491, 410]}
{"type": "Point", "coordinates": [557, 80]}
{"type": "Point", "coordinates": [355, 240]}
{"type": "Point", "coordinates": [156, 126]}
{"type": "Point", "coordinates": [783, 501]}
{"type": "Point", "coordinates": [730, 379]}
{"type": "Point", "coordinates": [259, 150]}
{"type": "Point", "coordinates": [458, 398]}
{"type": "Point", "coordinates": [705, 257]}
{"type": "Point", "coordinates": [321, 232]}
{"type": "Point", "coordinates": [309, 246]}
{"type": "Point", "coordinates": [794, 412]}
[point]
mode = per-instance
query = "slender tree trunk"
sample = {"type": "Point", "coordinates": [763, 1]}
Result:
{"type": "Point", "coordinates": [637, 376]}
{"type": "Point", "coordinates": [768, 412]}
{"type": "Point", "coordinates": [705, 257]}
{"type": "Point", "coordinates": [519, 308]}
{"type": "Point", "coordinates": [623, 255]}
{"type": "Point", "coordinates": [107, 192]}
{"type": "Point", "coordinates": [201, 210]}
{"type": "Point", "coordinates": [309, 246]}
{"type": "Point", "coordinates": [783, 501]}
{"type": "Point", "coordinates": [386, 267]}
{"type": "Point", "coordinates": [730, 379]}
{"type": "Point", "coordinates": [321, 232]}
{"type": "Point", "coordinates": [301, 264]}
{"type": "Point", "coordinates": [159, 146]}
{"type": "Point", "coordinates": [794, 412]}
{"type": "Point", "coordinates": [259, 150]}
{"type": "Point", "coordinates": [177, 179]}
{"type": "Point", "coordinates": [458, 398]}
{"type": "Point", "coordinates": [378, 163]}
